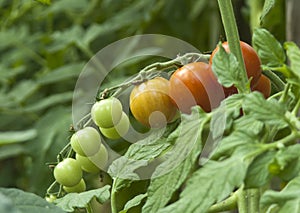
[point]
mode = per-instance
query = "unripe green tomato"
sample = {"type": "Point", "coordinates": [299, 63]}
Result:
{"type": "Point", "coordinates": [68, 172]}
{"type": "Point", "coordinates": [94, 163]}
{"type": "Point", "coordinates": [119, 130]}
{"type": "Point", "coordinates": [80, 187]}
{"type": "Point", "coordinates": [86, 142]}
{"type": "Point", "coordinates": [107, 113]}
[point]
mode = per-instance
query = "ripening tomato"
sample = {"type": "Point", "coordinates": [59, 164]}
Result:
{"type": "Point", "coordinates": [263, 85]}
{"type": "Point", "coordinates": [151, 104]}
{"type": "Point", "coordinates": [252, 64]}
{"type": "Point", "coordinates": [195, 84]}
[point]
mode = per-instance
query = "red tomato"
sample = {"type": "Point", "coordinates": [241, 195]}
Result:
{"type": "Point", "coordinates": [151, 104]}
{"type": "Point", "coordinates": [263, 85]}
{"type": "Point", "coordinates": [252, 64]}
{"type": "Point", "coordinates": [195, 84]}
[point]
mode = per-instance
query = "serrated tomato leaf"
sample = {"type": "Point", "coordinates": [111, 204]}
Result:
{"type": "Point", "coordinates": [268, 48]}
{"type": "Point", "coordinates": [293, 53]}
{"type": "Point", "coordinates": [287, 200]}
{"type": "Point", "coordinates": [258, 173]}
{"type": "Point", "coordinates": [226, 67]}
{"type": "Point", "coordinates": [138, 155]}
{"type": "Point", "coordinates": [26, 202]}
{"type": "Point", "coordinates": [137, 200]}
{"type": "Point", "coordinates": [268, 5]}
{"type": "Point", "coordinates": [268, 111]}
{"type": "Point", "coordinates": [80, 200]}
{"type": "Point", "coordinates": [179, 161]}
{"type": "Point", "coordinates": [213, 183]}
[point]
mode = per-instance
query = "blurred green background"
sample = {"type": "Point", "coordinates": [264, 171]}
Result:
{"type": "Point", "coordinates": [44, 47]}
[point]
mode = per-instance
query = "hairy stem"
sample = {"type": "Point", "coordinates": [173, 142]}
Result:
{"type": "Point", "coordinates": [233, 39]}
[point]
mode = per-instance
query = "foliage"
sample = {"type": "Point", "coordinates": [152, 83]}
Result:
{"type": "Point", "coordinates": [44, 46]}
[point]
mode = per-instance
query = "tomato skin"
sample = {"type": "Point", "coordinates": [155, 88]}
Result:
{"type": "Point", "coordinates": [68, 172]}
{"type": "Point", "coordinates": [86, 141]}
{"type": "Point", "coordinates": [119, 130]}
{"type": "Point", "coordinates": [195, 84]}
{"type": "Point", "coordinates": [106, 113]}
{"type": "Point", "coordinates": [80, 187]}
{"type": "Point", "coordinates": [151, 104]}
{"type": "Point", "coordinates": [94, 163]}
{"type": "Point", "coordinates": [264, 86]}
{"type": "Point", "coordinates": [252, 64]}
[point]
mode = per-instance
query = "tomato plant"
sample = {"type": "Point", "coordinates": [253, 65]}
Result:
{"type": "Point", "coordinates": [195, 84]}
{"type": "Point", "coordinates": [251, 60]}
{"type": "Point", "coordinates": [68, 172]}
{"type": "Point", "coordinates": [86, 142]}
{"type": "Point", "coordinates": [207, 148]}
{"type": "Point", "coordinates": [150, 102]}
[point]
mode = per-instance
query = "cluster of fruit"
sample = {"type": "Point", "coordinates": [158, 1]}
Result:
{"type": "Point", "coordinates": [155, 102]}
{"type": "Point", "coordinates": [91, 156]}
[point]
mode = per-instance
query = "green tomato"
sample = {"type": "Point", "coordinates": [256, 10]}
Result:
{"type": "Point", "coordinates": [86, 142]}
{"type": "Point", "coordinates": [68, 172]}
{"type": "Point", "coordinates": [80, 187]}
{"type": "Point", "coordinates": [119, 130]}
{"type": "Point", "coordinates": [94, 163]}
{"type": "Point", "coordinates": [106, 113]}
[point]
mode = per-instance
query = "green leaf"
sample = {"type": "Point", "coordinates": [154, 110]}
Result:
{"type": "Point", "coordinates": [287, 200]}
{"type": "Point", "coordinates": [228, 145]}
{"type": "Point", "coordinates": [53, 133]}
{"type": "Point", "coordinates": [49, 101]}
{"type": "Point", "coordinates": [226, 67]}
{"type": "Point", "coordinates": [139, 154]}
{"type": "Point", "coordinates": [179, 161]}
{"type": "Point", "coordinates": [288, 154]}
{"type": "Point", "coordinates": [211, 183]}
{"type": "Point", "coordinates": [248, 124]}
{"type": "Point", "coordinates": [258, 173]}
{"type": "Point", "coordinates": [269, 4]}
{"type": "Point", "coordinates": [23, 90]}
{"type": "Point", "coordinates": [268, 111]}
{"type": "Point", "coordinates": [80, 200]}
{"type": "Point", "coordinates": [12, 150]}
{"type": "Point", "coordinates": [137, 200]}
{"type": "Point", "coordinates": [293, 53]}
{"type": "Point", "coordinates": [48, 2]}
{"type": "Point", "coordinates": [268, 48]}
{"type": "Point", "coordinates": [17, 136]}
{"type": "Point", "coordinates": [6, 205]}
{"type": "Point", "coordinates": [62, 73]}
{"type": "Point", "coordinates": [26, 202]}
{"type": "Point", "coordinates": [198, 7]}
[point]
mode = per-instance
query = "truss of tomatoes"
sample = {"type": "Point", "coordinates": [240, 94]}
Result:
{"type": "Point", "coordinates": [154, 102]}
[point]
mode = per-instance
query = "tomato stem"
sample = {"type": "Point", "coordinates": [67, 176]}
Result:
{"type": "Point", "coordinates": [113, 198]}
{"type": "Point", "coordinates": [242, 201]}
{"type": "Point", "coordinates": [253, 196]}
{"type": "Point", "coordinates": [278, 83]}
{"type": "Point", "coordinates": [151, 71]}
{"type": "Point", "coordinates": [233, 39]}
{"type": "Point", "coordinates": [225, 205]}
